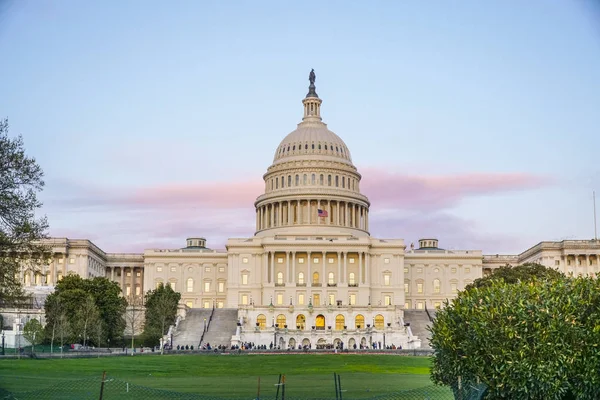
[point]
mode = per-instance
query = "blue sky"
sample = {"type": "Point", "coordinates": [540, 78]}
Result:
{"type": "Point", "coordinates": [475, 122]}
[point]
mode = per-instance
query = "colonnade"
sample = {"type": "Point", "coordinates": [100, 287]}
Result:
{"type": "Point", "coordinates": [305, 212]}
{"type": "Point", "coordinates": [131, 285]}
{"type": "Point", "coordinates": [294, 262]}
{"type": "Point", "coordinates": [585, 264]}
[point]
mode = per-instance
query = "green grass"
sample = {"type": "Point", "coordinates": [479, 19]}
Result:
{"type": "Point", "coordinates": [229, 376]}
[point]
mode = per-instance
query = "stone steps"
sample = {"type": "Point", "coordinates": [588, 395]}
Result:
{"type": "Point", "coordinates": [190, 329]}
{"type": "Point", "coordinates": [419, 321]}
{"type": "Point", "coordinates": [222, 327]}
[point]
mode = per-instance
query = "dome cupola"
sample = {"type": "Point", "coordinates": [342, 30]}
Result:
{"type": "Point", "coordinates": [312, 181]}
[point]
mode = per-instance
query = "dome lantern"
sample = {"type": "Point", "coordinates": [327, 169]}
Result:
{"type": "Point", "coordinates": [312, 102]}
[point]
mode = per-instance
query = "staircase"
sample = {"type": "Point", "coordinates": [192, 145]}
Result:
{"type": "Point", "coordinates": [419, 321]}
{"type": "Point", "coordinates": [221, 328]}
{"type": "Point", "coordinates": [190, 329]}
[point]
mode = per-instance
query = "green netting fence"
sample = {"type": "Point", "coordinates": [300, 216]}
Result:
{"type": "Point", "coordinates": [112, 388]}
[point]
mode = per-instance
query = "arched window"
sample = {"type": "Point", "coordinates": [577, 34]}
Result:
{"type": "Point", "coordinates": [352, 278]}
{"type": "Point", "coordinates": [312, 179]}
{"type": "Point", "coordinates": [300, 322]}
{"type": "Point", "coordinates": [359, 321]}
{"type": "Point", "coordinates": [289, 181]}
{"type": "Point", "coordinates": [190, 285]}
{"type": "Point", "coordinates": [297, 180]}
{"type": "Point", "coordinates": [276, 183]}
{"type": "Point", "coordinates": [330, 279]}
{"type": "Point", "coordinates": [328, 180]}
{"type": "Point", "coordinates": [301, 278]}
{"type": "Point", "coordinates": [340, 321]}
{"type": "Point", "coordinates": [262, 321]}
{"type": "Point", "coordinates": [379, 322]}
{"type": "Point", "coordinates": [282, 182]}
{"type": "Point", "coordinates": [304, 179]}
{"type": "Point", "coordinates": [321, 180]}
{"type": "Point", "coordinates": [315, 278]}
{"type": "Point", "coordinates": [280, 321]}
{"type": "Point", "coordinates": [320, 322]}
{"type": "Point", "coordinates": [280, 278]}
{"type": "Point", "coordinates": [343, 182]}
{"type": "Point", "coordinates": [159, 282]}
{"type": "Point", "coordinates": [337, 181]}
{"type": "Point", "coordinates": [306, 146]}
{"type": "Point", "coordinates": [436, 286]}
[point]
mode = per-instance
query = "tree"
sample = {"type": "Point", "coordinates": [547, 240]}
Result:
{"type": "Point", "coordinates": [161, 312]}
{"type": "Point", "coordinates": [134, 316]}
{"type": "Point", "coordinates": [524, 340]}
{"type": "Point", "coordinates": [20, 231]}
{"type": "Point", "coordinates": [520, 273]}
{"type": "Point", "coordinates": [86, 319]}
{"type": "Point", "coordinates": [33, 331]}
{"type": "Point", "coordinates": [59, 324]}
{"type": "Point", "coordinates": [73, 290]}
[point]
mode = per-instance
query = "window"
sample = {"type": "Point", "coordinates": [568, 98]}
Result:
{"type": "Point", "coordinates": [244, 279]}
{"type": "Point", "coordinates": [61, 260]}
{"type": "Point", "coordinates": [337, 181]}
{"type": "Point", "coordinates": [158, 283]}
{"type": "Point", "coordinates": [301, 261]}
{"type": "Point", "coordinates": [379, 321]}
{"type": "Point", "coordinates": [453, 287]}
{"type": "Point", "coordinates": [328, 180]}
{"type": "Point", "coordinates": [339, 322]}
{"type": "Point", "coordinates": [300, 298]}
{"type": "Point", "coordinates": [321, 180]}
{"type": "Point", "coordinates": [245, 299]}
{"type": "Point", "coordinates": [352, 279]}
{"type": "Point", "coordinates": [172, 284]}
{"type": "Point", "coordinates": [128, 274]}
{"type": "Point", "coordinates": [304, 179]}
{"type": "Point", "coordinates": [419, 305]}
{"type": "Point", "coordinates": [343, 182]}
{"type": "Point", "coordinates": [300, 322]}
{"type": "Point", "coordinates": [261, 319]}
{"type": "Point", "coordinates": [387, 300]}
{"type": "Point", "coordinates": [206, 304]}
{"type": "Point", "coordinates": [437, 305]}
{"type": "Point", "coordinates": [420, 270]}
{"type": "Point", "coordinates": [189, 304]}
{"type": "Point", "coordinates": [407, 305]}
{"type": "Point", "coordinates": [190, 285]}
{"type": "Point", "coordinates": [128, 290]}
{"type": "Point", "coordinates": [330, 279]}
{"type": "Point", "coordinates": [221, 269]}
{"type": "Point", "coordinates": [352, 260]}
{"type": "Point", "coordinates": [386, 280]}
{"type": "Point", "coordinates": [301, 278]}
{"type": "Point", "coordinates": [556, 262]}
{"type": "Point", "coordinates": [317, 299]}
{"type": "Point", "coordinates": [279, 299]}
{"type": "Point", "coordinates": [71, 261]}
{"type": "Point", "coordinates": [315, 260]}
{"type": "Point", "coordinates": [436, 270]}
{"type": "Point", "coordinates": [315, 277]}
{"type": "Point", "coordinates": [436, 286]}
{"type": "Point", "coordinates": [419, 287]}
{"type": "Point", "coordinates": [359, 321]}
{"type": "Point", "coordinates": [280, 278]}
{"type": "Point", "coordinates": [331, 260]}
{"type": "Point", "coordinates": [331, 299]}
{"type": "Point", "coordinates": [279, 260]}
{"type": "Point", "coordinates": [138, 290]}
{"type": "Point", "coordinates": [352, 299]}
{"type": "Point", "coordinates": [297, 180]}
{"type": "Point", "coordinates": [245, 260]}
{"type": "Point", "coordinates": [280, 321]}
{"type": "Point", "coordinates": [207, 286]}
{"type": "Point", "coordinates": [467, 270]}
{"type": "Point", "coordinates": [406, 287]}
{"type": "Point", "coordinates": [386, 260]}
{"type": "Point", "coordinates": [453, 270]}
{"type": "Point", "coordinates": [289, 180]}
{"type": "Point", "coordinates": [173, 269]}
{"type": "Point", "coordinates": [138, 274]}
{"type": "Point", "coordinates": [312, 180]}
{"type": "Point", "coordinates": [406, 270]}
{"type": "Point", "coordinates": [158, 269]}
{"type": "Point", "coordinates": [206, 269]}
{"type": "Point", "coordinates": [221, 287]}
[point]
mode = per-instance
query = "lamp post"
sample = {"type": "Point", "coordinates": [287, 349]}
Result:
{"type": "Point", "coordinates": [3, 342]}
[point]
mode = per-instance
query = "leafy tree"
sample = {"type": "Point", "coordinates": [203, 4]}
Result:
{"type": "Point", "coordinates": [33, 331]}
{"type": "Point", "coordinates": [72, 291]}
{"type": "Point", "coordinates": [134, 316]}
{"type": "Point", "coordinates": [525, 340]}
{"type": "Point", "coordinates": [520, 273]}
{"type": "Point", "coordinates": [86, 319]}
{"type": "Point", "coordinates": [20, 230]}
{"type": "Point", "coordinates": [161, 312]}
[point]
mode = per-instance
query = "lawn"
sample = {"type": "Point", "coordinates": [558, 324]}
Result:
{"type": "Point", "coordinates": [225, 376]}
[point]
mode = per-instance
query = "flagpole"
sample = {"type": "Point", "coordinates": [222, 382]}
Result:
{"type": "Point", "coordinates": [595, 226]}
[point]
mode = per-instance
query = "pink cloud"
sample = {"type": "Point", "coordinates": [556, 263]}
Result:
{"type": "Point", "coordinates": [427, 192]}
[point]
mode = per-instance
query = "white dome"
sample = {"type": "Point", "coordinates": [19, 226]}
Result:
{"type": "Point", "coordinates": [312, 140]}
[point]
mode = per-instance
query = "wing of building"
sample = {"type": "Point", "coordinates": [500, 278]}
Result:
{"type": "Point", "coordinates": [311, 275]}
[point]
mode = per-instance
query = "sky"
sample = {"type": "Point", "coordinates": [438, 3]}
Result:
{"type": "Point", "coordinates": [474, 122]}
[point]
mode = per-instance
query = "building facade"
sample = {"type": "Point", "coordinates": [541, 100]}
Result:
{"type": "Point", "coordinates": [311, 269]}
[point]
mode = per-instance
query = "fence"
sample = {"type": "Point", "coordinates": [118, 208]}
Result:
{"type": "Point", "coordinates": [108, 388]}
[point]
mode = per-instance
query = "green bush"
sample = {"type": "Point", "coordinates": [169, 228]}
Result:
{"type": "Point", "coordinates": [527, 340]}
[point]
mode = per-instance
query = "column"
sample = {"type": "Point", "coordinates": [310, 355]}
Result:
{"type": "Point", "coordinates": [368, 268]}
{"type": "Point", "coordinates": [325, 280]}
{"type": "Point", "coordinates": [265, 267]}
{"type": "Point", "coordinates": [123, 280]}
{"type": "Point", "coordinates": [142, 282]}
{"type": "Point", "coordinates": [309, 211]}
{"type": "Point", "coordinates": [280, 213]}
{"type": "Point", "coordinates": [366, 219]}
{"type": "Point", "coordinates": [289, 213]}
{"type": "Point", "coordinates": [298, 212]}
{"type": "Point", "coordinates": [360, 274]}
{"type": "Point", "coordinates": [339, 255]}
{"type": "Point", "coordinates": [287, 269]}
{"type": "Point", "coordinates": [132, 284]}
{"type": "Point", "coordinates": [258, 219]}
{"type": "Point", "coordinates": [309, 273]}
{"type": "Point", "coordinates": [271, 216]}
{"type": "Point", "coordinates": [318, 206]}
{"type": "Point", "coordinates": [273, 267]}
{"type": "Point", "coordinates": [345, 265]}
{"type": "Point", "coordinates": [294, 267]}
{"type": "Point", "coordinates": [112, 274]}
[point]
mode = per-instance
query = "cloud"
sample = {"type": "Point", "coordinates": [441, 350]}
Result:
{"type": "Point", "coordinates": [433, 192]}
{"type": "Point", "coordinates": [137, 218]}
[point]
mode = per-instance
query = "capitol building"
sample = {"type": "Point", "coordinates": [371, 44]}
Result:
{"type": "Point", "coordinates": [311, 273]}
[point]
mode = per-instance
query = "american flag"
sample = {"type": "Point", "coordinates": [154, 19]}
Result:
{"type": "Point", "coordinates": [322, 213]}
